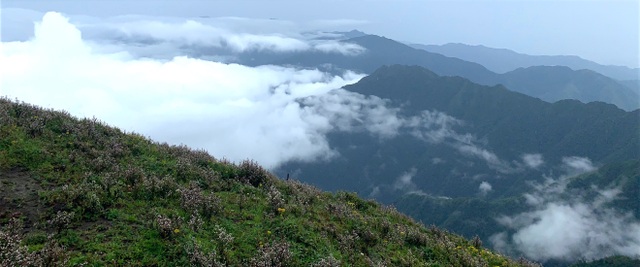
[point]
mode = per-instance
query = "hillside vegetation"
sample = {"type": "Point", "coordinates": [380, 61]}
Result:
{"type": "Point", "coordinates": [77, 192]}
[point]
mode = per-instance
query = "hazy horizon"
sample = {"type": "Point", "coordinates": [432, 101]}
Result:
{"type": "Point", "coordinates": [606, 32]}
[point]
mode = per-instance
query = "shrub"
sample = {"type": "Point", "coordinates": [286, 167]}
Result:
{"type": "Point", "coordinates": [275, 254]}
{"type": "Point", "coordinates": [84, 197]}
{"type": "Point", "coordinates": [61, 220]}
{"type": "Point", "coordinates": [165, 226]}
{"type": "Point", "coordinates": [476, 242]}
{"type": "Point", "coordinates": [329, 261]}
{"type": "Point", "coordinates": [199, 258]}
{"type": "Point", "coordinates": [304, 194]}
{"type": "Point", "coordinates": [193, 200]}
{"type": "Point", "coordinates": [224, 242]}
{"type": "Point", "coordinates": [195, 222]}
{"type": "Point", "coordinates": [158, 187]}
{"type": "Point", "coordinates": [252, 173]}
{"type": "Point", "coordinates": [276, 201]}
{"type": "Point", "coordinates": [415, 237]}
{"type": "Point", "coordinates": [12, 253]}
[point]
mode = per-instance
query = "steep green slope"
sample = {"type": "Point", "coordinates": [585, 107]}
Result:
{"type": "Point", "coordinates": [77, 191]}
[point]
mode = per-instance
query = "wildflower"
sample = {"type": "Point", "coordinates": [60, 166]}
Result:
{"type": "Point", "coordinates": [281, 210]}
{"type": "Point", "coordinates": [176, 230]}
{"type": "Point", "coordinates": [268, 232]}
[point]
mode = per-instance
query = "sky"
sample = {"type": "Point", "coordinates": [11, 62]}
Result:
{"type": "Point", "coordinates": [603, 31]}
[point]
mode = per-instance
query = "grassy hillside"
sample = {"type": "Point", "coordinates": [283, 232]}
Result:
{"type": "Point", "coordinates": [76, 191]}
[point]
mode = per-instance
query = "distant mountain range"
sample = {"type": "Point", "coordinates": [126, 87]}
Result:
{"type": "Point", "coordinates": [550, 83]}
{"type": "Point", "coordinates": [475, 150]}
{"type": "Point", "coordinates": [554, 83]}
{"type": "Point", "coordinates": [505, 60]}
{"type": "Point", "coordinates": [468, 144]}
{"type": "Point", "coordinates": [506, 125]}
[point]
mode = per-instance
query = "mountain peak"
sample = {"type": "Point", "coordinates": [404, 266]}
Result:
{"type": "Point", "coordinates": [405, 70]}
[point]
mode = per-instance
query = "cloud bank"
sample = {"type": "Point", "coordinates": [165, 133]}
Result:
{"type": "Point", "coordinates": [269, 113]}
{"type": "Point", "coordinates": [147, 36]}
{"type": "Point", "coordinates": [231, 110]}
{"type": "Point", "coordinates": [565, 226]}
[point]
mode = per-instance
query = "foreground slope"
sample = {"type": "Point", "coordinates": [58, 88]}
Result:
{"type": "Point", "coordinates": [76, 191]}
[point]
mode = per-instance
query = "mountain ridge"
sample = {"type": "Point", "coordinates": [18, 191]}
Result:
{"type": "Point", "coordinates": [482, 149]}
{"type": "Point", "coordinates": [382, 51]}
{"type": "Point", "coordinates": [503, 60]}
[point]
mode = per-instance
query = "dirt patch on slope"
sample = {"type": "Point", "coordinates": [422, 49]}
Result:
{"type": "Point", "coordinates": [19, 196]}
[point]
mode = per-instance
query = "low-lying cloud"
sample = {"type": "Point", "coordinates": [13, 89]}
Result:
{"type": "Point", "coordinates": [438, 127]}
{"type": "Point", "coordinates": [269, 113]}
{"type": "Point", "coordinates": [485, 187]}
{"type": "Point", "coordinates": [532, 161]}
{"type": "Point", "coordinates": [231, 110]}
{"type": "Point", "coordinates": [577, 165]}
{"type": "Point", "coordinates": [166, 37]}
{"type": "Point", "coordinates": [404, 181]}
{"type": "Point", "coordinates": [567, 226]}
{"type": "Point", "coordinates": [144, 35]}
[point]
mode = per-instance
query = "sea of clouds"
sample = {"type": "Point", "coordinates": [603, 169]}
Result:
{"type": "Point", "coordinates": [132, 72]}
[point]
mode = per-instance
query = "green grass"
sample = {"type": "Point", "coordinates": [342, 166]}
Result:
{"type": "Point", "coordinates": [114, 198]}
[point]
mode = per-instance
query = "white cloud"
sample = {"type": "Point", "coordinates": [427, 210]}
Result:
{"type": "Point", "coordinates": [577, 165]}
{"type": "Point", "coordinates": [236, 35]}
{"type": "Point", "coordinates": [566, 226]}
{"type": "Point", "coordinates": [438, 127]}
{"type": "Point", "coordinates": [485, 188]}
{"type": "Point", "coordinates": [404, 182]}
{"type": "Point", "coordinates": [231, 110]}
{"type": "Point", "coordinates": [354, 112]}
{"type": "Point", "coordinates": [532, 161]}
{"type": "Point", "coordinates": [348, 49]}
{"type": "Point", "coordinates": [489, 157]}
